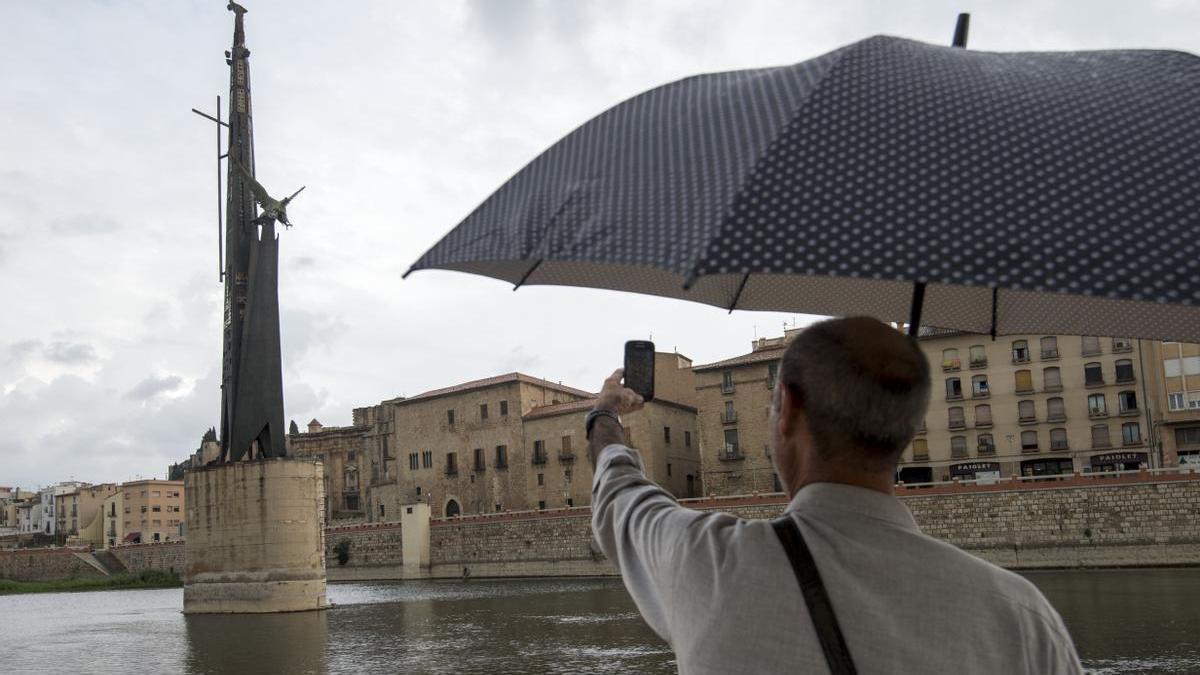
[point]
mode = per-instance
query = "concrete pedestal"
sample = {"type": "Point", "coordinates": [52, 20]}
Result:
{"type": "Point", "coordinates": [255, 537]}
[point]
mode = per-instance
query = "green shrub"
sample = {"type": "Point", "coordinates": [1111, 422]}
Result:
{"type": "Point", "coordinates": [342, 550]}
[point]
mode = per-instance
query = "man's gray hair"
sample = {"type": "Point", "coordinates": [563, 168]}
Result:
{"type": "Point", "coordinates": [863, 385]}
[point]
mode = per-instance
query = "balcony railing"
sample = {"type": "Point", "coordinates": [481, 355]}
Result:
{"type": "Point", "coordinates": [987, 449]}
{"type": "Point", "coordinates": [1058, 445]}
{"type": "Point", "coordinates": [1027, 419]}
{"type": "Point", "coordinates": [1122, 346]}
{"type": "Point", "coordinates": [979, 363]}
{"type": "Point", "coordinates": [923, 457]}
{"type": "Point", "coordinates": [958, 424]}
{"type": "Point", "coordinates": [1125, 378]}
{"type": "Point", "coordinates": [985, 423]}
{"type": "Point", "coordinates": [503, 463]}
{"type": "Point", "coordinates": [1097, 413]}
{"type": "Point", "coordinates": [1020, 357]}
{"type": "Point", "coordinates": [958, 453]}
{"type": "Point", "coordinates": [729, 418]}
{"type": "Point", "coordinates": [452, 470]}
{"type": "Point", "coordinates": [981, 392]}
{"type": "Point", "coordinates": [1099, 444]}
{"type": "Point", "coordinates": [1049, 354]}
{"type": "Point", "coordinates": [1052, 387]}
{"type": "Point", "coordinates": [1024, 389]}
{"type": "Point", "coordinates": [951, 364]}
{"type": "Point", "coordinates": [1056, 417]}
{"type": "Point", "coordinates": [954, 396]}
{"type": "Point", "coordinates": [1132, 441]}
{"type": "Point", "coordinates": [730, 455]}
{"type": "Point", "coordinates": [480, 465]}
{"type": "Point", "coordinates": [1093, 382]}
{"type": "Point", "coordinates": [539, 458]}
{"type": "Point", "coordinates": [1031, 448]}
{"type": "Point", "coordinates": [1130, 412]}
{"type": "Point", "coordinates": [566, 456]}
{"type": "Point", "coordinates": [726, 387]}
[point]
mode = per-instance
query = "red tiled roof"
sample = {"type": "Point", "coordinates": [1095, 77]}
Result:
{"type": "Point", "coordinates": [586, 404]}
{"type": "Point", "coordinates": [491, 382]}
{"type": "Point", "coordinates": [768, 354]}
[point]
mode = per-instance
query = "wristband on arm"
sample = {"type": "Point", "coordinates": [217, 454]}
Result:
{"type": "Point", "coordinates": [590, 420]}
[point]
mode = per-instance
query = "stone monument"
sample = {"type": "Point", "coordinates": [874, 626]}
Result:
{"type": "Point", "coordinates": [255, 539]}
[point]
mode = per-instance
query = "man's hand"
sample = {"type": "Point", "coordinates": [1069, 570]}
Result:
{"type": "Point", "coordinates": [617, 397]}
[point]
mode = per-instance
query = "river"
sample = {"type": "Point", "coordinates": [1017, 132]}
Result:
{"type": "Point", "coordinates": [1123, 621]}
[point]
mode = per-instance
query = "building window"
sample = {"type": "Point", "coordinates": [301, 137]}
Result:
{"type": "Point", "coordinates": [501, 456]}
{"type": "Point", "coordinates": [1026, 411]}
{"type": "Point", "coordinates": [920, 449]}
{"type": "Point", "coordinates": [978, 356]}
{"type": "Point", "coordinates": [667, 435]}
{"type": "Point", "coordinates": [1020, 351]}
{"type": "Point", "coordinates": [958, 447]}
{"type": "Point", "coordinates": [1093, 374]}
{"type": "Point", "coordinates": [957, 420]}
{"type": "Point", "coordinates": [539, 452]}
{"type": "Point", "coordinates": [687, 439]}
{"type": "Point", "coordinates": [1127, 402]}
{"type": "Point", "coordinates": [427, 459]}
{"type": "Point", "coordinates": [381, 510]}
{"type": "Point", "coordinates": [450, 417]}
{"type": "Point", "coordinates": [979, 386]}
{"type": "Point", "coordinates": [1176, 401]}
{"type": "Point", "coordinates": [413, 462]}
{"type": "Point", "coordinates": [1187, 436]}
{"type": "Point", "coordinates": [1122, 345]}
{"type": "Point", "coordinates": [953, 388]}
{"type": "Point", "coordinates": [351, 502]}
{"type": "Point", "coordinates": [565, 451]}
{"type": "Point", "coordinates": [1024, 381]}
{"type": "Point", "coordinates": [950, 360]}
{"type": "Point", "coordinates": [479, 462]}
{"type": "Point", "coordinates": [1049, 347]}
{"type": "Point", "coordinates": [483, 411]}
{"type": "Point", "coordinates": [772, 374]}
{"type": "Point", "coordinates": [1096, 406]}
{"type": "Point", "coordinates": [1052, 379]}
{"type": "Point", "coordinates": [567, 476]}
{"type": "Point", "coordinates": [983, 416]}
{"type": "Point", "coordinates": [452, 509]}
{"type": "Point", "coordinates": [504, 408]}
{"type": "Point", "coordinates": [985, 445]}
{"type": "Point", "coordinates": [1056, 410]}
{"type": "Point", "coordinates": [727, 381]}
{"type": "Point", "coordinates": [1029, 441]}
{"type": "Point", "coordinates": [731, 444]}
{"type": "Point", "coordinates": [729, 416]}
{"type": "Point", "coordinates": [1100, 436]}
{"type": "Point", "coordinates": [1090, 345]}
{"type": "Point", "coordinates": [668, 468]}
{"type": "Point", "coordinates": [1058, 439]}
{"type": "Point", "coordinates": [541, 505]}
{"type": "Point", "coordinates": [541, 479]}
{"type": "Point", "coordinates": [1124, 370]}
{"type": "Point", "coordinates": [1131, 433]}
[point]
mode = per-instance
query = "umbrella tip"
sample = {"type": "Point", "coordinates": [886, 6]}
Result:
{"type": "Point", "coordinates": [961, 27]}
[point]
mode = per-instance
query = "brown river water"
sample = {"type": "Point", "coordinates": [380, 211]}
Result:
{"type": "Point", "coordinates": [1123, 621]}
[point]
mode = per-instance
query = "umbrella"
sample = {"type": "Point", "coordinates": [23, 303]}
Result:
{"type": "Point", "coordinates": [1002, 193]}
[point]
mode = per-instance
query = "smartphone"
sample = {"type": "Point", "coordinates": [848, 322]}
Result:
{"type": "Point", "coordinates": [639, 367]}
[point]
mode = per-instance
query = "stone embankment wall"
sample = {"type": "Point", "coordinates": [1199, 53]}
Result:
{"type": "Point", "coordinates": [165, 557]}
{"type": "Point", "coordinates": [1132, 520]}
{"type": "Point", "coordinates": [43, 564]}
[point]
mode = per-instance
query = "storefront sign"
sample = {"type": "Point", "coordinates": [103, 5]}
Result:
{"type": "Point", "coordinates": [972, 468]}
{"type": "Point", "coordinates": [1119, 458]}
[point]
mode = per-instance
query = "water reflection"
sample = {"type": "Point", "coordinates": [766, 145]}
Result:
{"type": "Point", "coordinates": [246, 643]}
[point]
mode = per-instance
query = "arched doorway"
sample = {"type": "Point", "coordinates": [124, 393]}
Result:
{"type": "Point", "coordinates": [452, 509]}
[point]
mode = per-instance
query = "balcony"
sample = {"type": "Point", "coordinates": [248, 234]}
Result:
{"type": "Point", "coordinates": [1097, 413]}
{"type": "Point", "coordinates": [1020, 357]}
{"type": "Point", "coordinates": [1122, 346]}
{"type": "Point", "coordinates": [986, 450]}
{"type": "Point", "coordinates": [1049, 354]}
{"type": "Point", "coordinates": [1127, 442]}
{"type": "Point", "coordinates": [1027, 419]}
{"type": "Point", "coordinates": [958, 453]}
{"type": "Point", "coordinates": [1093, 382]}
{"type": "Point", "coordinates": [984, 423]}
{"type": "Point", "coordinates": [729, 418]}
{"type": "Point", "coordinates": [726, 387]}
{"type": "Point", "coordinates": [503, 464]}
{"type": "Point", "coordinates": [1050, 388]}
{"type": "Point", "coordinates": [1125, 378]}
{"type": "Point", "coordinates": [566, 457]}
{"type": "Point", "coordinates": [1029, 449]}
{"type": "Point", "coordinates": [954, 396]}
{"type": "Point", "coordinates": [1059, 445]}
{"type": "Point", "coordinates": [1056, 417]}
{"type": "Point", "coordinates": [452, 470]}
{"type": "Point", "coordinates": [539, 458]}
{"type": "Point", "coordinates": [923, 457]}
{"type": "Point", "coordinates": [956, 425]}
{"type": "Point", "coordinates": [480, 466]}
{"type": "Point", "coordinates": [981, 392]}
{"type": "Point", "coordinates": [1024, 389]}
{"type": "Point", "coordinates": [1130, 412]}
{"type": "Point", "coordinates": [1091, 351]}
{"type": "Point", "coordinates": [730, 455]}
{"type": "Point", "coordinates": [979, 363]}
{"type": "Point", "coordinates": [951, 365]}
{"type": "Point", "coordinates": [1101, 444]}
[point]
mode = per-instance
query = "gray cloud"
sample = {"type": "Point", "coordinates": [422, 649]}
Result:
{"type": "Point", "coordinates": [83, 224]}
{"type": "Point", "coordinates": [70, 352]}
{"type": "Point", "coordinates": [152, 386]}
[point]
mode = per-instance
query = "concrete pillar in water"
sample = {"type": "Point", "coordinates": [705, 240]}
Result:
{"type": "Point", "coordinates": [414, 526]}
{"type": "Point", "coordinates": [255, 537]}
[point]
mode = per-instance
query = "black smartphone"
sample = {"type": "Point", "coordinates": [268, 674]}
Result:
{"type": "Point", "coordinates": [639, 367]}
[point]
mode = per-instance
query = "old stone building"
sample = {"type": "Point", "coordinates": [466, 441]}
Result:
{"type": "Point", "coordinates": [1030, 405]}
{"type": "Point", "coordinates": [506, 443]}
{"type": "Point", "coordinates": [1173, 371]}
{"type": "Point", "coordinates": [733, 398]}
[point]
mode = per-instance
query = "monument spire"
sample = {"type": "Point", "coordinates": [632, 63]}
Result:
{"type": "Point", "coordinates": [251, 372]}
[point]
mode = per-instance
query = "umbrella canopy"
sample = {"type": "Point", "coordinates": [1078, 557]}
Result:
{"type": "Point", "coordinates": [1022, 192]}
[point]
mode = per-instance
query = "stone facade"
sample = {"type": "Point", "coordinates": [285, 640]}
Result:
{"type": "Point", "coordinates": [343, 454]}
{"type": "Point", "coordinates": [1030, 405]}
{"type": "Point", "coordinates": [1173, 371]}
{"type": "Point", "coordinates": [167, 557]}
{"type": "Point", "coordinates": [256, 537]}
{"type": "Point", "coordinates": [733, 398]}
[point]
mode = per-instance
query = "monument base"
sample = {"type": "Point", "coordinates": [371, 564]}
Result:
{"type": "Point", "coordinates": [255, 537]}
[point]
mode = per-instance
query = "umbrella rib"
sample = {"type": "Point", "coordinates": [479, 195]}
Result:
{"type": "Point", "coordinates": [745, 278]}
{"type": "Point", "coordinates": [529, 272]}
{"type": "Point", "coordinates": [995, 292]}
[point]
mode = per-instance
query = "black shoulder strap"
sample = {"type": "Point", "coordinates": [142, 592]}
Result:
{"type": "Point", "coordinates": [833, 643]}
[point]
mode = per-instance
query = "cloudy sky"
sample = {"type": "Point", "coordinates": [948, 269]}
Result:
{"type": "Point", "coordinates": [400, 117]}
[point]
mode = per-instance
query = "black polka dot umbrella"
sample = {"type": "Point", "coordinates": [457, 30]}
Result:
{"type": "Point", "coordinates": [1049, 192]}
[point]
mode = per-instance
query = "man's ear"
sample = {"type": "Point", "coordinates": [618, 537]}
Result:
{"type": "Point", "coordinates": [789, 405]}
